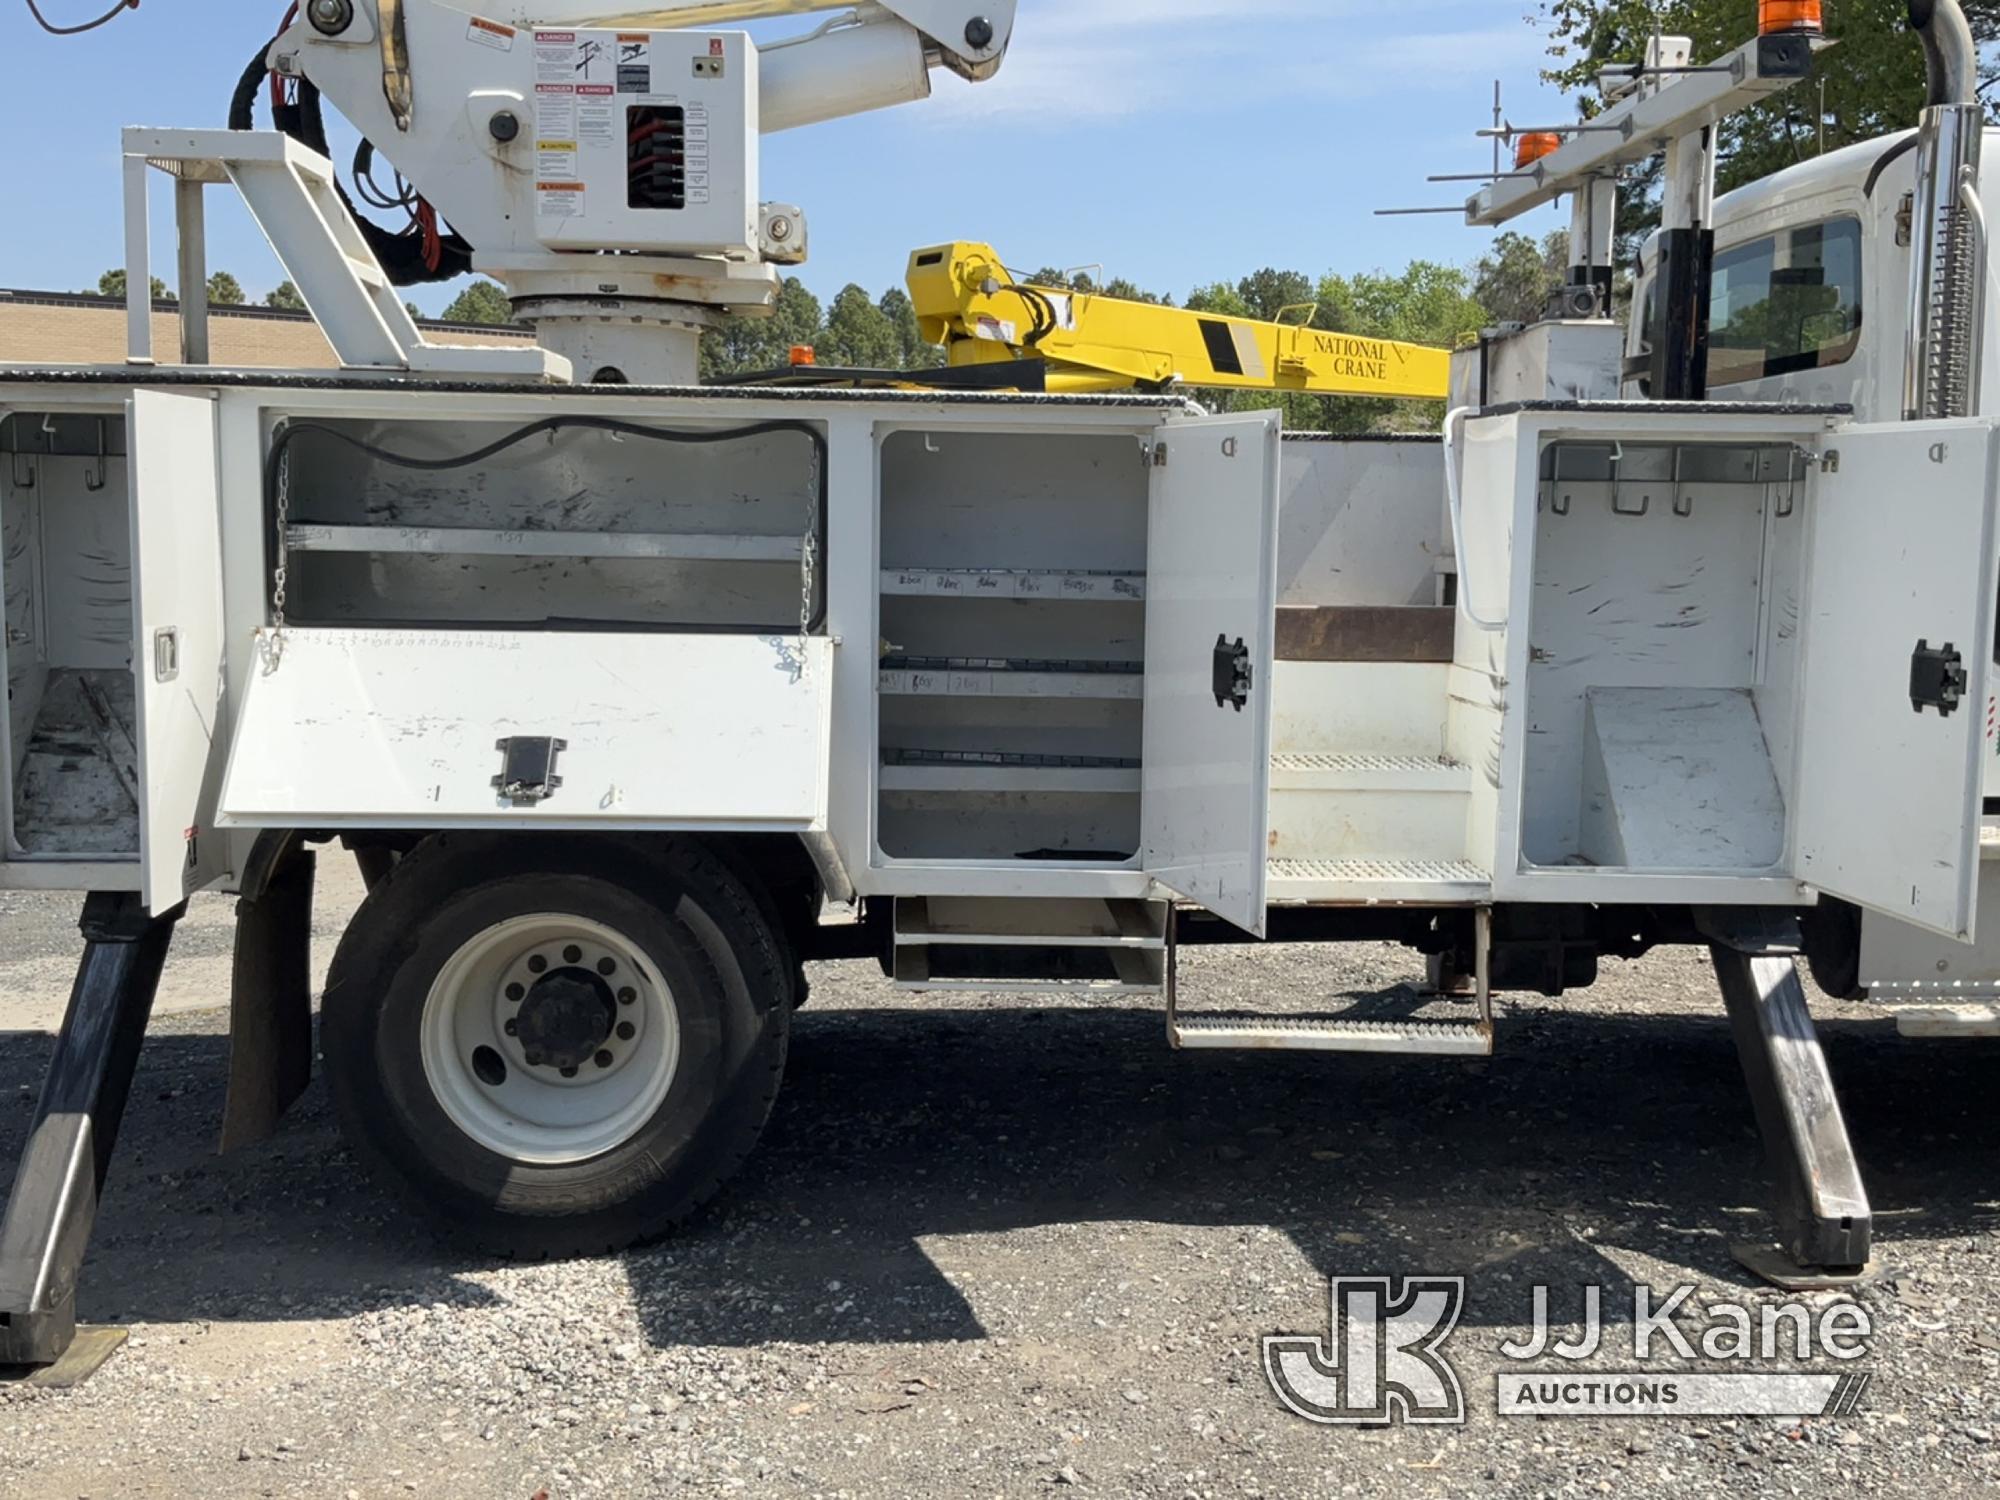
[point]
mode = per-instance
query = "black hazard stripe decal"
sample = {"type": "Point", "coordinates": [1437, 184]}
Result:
{"type": "Point", "coordinates": [1221, 347]}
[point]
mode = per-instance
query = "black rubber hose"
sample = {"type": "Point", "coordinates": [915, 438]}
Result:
{"type": "Point", "coordinates": [243, 103]}
{"type": "Point", "coordinates": [304, 120]}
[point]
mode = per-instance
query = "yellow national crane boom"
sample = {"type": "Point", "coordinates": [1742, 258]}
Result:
{"type": "Point", "coordinates": [1084, 341]}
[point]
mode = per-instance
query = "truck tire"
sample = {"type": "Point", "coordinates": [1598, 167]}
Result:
{"type": "Point", "coordinates": [556, 1046]}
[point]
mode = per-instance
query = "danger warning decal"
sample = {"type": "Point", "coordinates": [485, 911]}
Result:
{"type": "Point", "coordinates": [491, 34]}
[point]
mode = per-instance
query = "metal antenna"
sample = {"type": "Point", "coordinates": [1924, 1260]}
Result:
{"type": "Point", "coordinates": [1499, 119]}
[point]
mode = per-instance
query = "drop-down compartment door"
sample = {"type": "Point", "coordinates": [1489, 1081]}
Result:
{"type": "Point", "coordinates": [1211, 637]}
{"type": "Point", "coordinates": [1902, 559]}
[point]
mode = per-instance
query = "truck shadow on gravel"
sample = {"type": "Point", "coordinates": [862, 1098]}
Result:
{"type": "Point", "coordinates": [1591, 1135]}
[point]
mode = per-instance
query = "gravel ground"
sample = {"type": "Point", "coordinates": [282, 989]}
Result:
{"type": "Point", "coordinates": [997, 1249]}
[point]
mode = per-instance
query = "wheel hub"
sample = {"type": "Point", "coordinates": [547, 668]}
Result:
{"type": "Point", "coordinates": [549, 1038]}
{"type": "Point", "coordinates": [566, 1017]}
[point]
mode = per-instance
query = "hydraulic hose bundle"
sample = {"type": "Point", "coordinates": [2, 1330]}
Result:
{"type": "Point", "coordinates": [416, 255]}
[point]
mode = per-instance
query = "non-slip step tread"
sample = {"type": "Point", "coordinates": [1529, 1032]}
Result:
{"type": "Point", "coordinates": [1387, 882]}
{"type": "Point", "coordinates": [1413, 774]}
{"type": "Point", "coordinates": [1033, 986]}
{"type": "Point", "coordinates": [1379, 871]}
{"type": "Point", "coordinates": [1407, 764]}
{"type": "Point", "coordinates": [1272, 1033]}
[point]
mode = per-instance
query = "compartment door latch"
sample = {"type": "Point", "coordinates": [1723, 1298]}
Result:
{"type": "Point", "coordinates": [1232, 673]}
{"type": "Point", "coordinates": [1937, 678]}
{"type": "Point", "coordinates": [528, 769]}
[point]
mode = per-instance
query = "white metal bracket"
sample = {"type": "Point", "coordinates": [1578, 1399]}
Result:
{"type": "Point", "coordinates": [290, 191]}
{"type": "Point", "coordinates": [1642, 125]}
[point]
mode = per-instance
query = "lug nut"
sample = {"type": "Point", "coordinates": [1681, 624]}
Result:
{"type": "Point", "coordinates": [628, 996]}
{"type": "Point", "coordinates": [513, 1028]}
{"type": "Point", "coordinates": [604, 1059]}
{"type": "Point", "coordinates": [626, 1031]}
{"type": "Point", "coordinates": [607, 967]}
{"type": "Point", "coordinates": [572, 954]}
{"type": "Point", "coordinates": [569, 1072]}
{"type": "Point", "coordinates": [516, 993]}
{"type": "Point", "coordinates": [538, 965]}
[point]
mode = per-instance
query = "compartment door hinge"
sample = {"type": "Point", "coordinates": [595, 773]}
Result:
{"type": "Point", "coordinates": [1937, 678]}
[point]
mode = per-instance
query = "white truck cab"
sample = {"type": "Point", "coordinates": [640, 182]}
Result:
{"type": "Point", "coordinates": [1810, 302]}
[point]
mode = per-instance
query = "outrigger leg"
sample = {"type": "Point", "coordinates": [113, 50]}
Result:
{"type": "Point", "coordinates": [53, 1204]}
{"type": "Point", "coordinates": [1824, 1223]}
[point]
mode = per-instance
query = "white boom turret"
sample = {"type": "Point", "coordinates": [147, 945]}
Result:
{"type": "Point", "coordinates": [554, 136]}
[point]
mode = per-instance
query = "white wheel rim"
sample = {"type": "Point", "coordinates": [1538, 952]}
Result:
{"type": "Point", "coordinates": [532, 1111]}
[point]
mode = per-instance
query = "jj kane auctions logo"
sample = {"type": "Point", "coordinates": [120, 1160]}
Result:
{"type": "Point", "coordinates": [1383, 1359]}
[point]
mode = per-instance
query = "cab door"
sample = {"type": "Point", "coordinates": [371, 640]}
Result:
{"type": "Point", "coordinates": [1899, 643]}
{"type": "Point", "coordinates": [1211, 637]}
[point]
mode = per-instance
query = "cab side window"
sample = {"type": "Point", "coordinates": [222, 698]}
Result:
{"type": "Point", "coordinates": [1786, 304]}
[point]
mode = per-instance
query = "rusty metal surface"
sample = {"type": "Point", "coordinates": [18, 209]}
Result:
{"type": "Point", "coordinates": [1365, 633]}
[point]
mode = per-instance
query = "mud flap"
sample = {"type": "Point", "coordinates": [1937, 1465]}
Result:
{"type": "Point", "coordinates": [270, 1004]}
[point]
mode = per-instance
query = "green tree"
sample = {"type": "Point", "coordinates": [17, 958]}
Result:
{"type": "Point", "coordinates": [1269, 292]}
{"type": "Point", "coordinates": [1221, 298]}
{"type": "Point", "coordinates": [912, 353]}
{"type": "Point", "coordinates": [285, 297]}
{"type": "Point", "coordinates": [743, 345]}
{"type": "Point", "coordinates": [112, 284]}
{"type": "Point", "coordinates": [483, 302]}
{"type": "Point", "coordinates": [1514, 279]}
{"type": "Point", "coordinates": [1127, 291]}
{"type": "Point", "coordinates": [859, 334]}
{"type": "Point", "coordinates": [1082, 281]}
{"type": "Point", "coordinates": [225, 290]}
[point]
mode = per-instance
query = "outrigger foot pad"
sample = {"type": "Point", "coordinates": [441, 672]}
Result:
{"type": "Point", "coordinates": [1825, 1226]}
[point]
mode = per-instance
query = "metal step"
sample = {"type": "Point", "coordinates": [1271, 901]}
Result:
{"type": "Point", "coordinates": [1278, 1034]}
{"type": "Point", "coordinates": [1031, 946]}
{"type": "Point", "coordinates": [1965, 1019]}
{"type": "Point", "coordinates": [1384, 882]}
{"type": "Point", "coordinates": [1368, 773]}
{"type": "Point", "coordinates": [1268, 1033]}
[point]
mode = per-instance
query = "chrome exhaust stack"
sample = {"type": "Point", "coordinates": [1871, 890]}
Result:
{"type": "Point", "coordinates": [1948, 245]}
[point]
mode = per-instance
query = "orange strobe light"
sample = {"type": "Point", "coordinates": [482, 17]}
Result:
{"type": "Point", "coordinates": [1778, 16]}
{"type": "Point", "coordinates": [1532, 147]}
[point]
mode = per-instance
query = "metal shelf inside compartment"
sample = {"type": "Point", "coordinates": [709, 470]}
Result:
{"type": "Point", "coordinates": [1019, 677]}
{"type": "Point", "coordinates": [1065, 585]}
{"type": "Point", "coordinates": [974, 773]}
{"type": "Point", "coordinates": [1068, 667]}
{"type": "Point", "coordinates": [477, 541]}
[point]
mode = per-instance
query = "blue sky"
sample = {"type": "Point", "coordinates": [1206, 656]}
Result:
{"type": "Point", "coordinates": [1171, 141]}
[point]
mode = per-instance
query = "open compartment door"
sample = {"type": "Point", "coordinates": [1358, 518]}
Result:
{"type": "Point", "coordinates": [519, 729]}
{"type": "Point", "coordinates": [1900, 599]}
{"type": "Point", "coordinates": [1211, 636]}
{"type": "Point", "coordinates": [177, 655]}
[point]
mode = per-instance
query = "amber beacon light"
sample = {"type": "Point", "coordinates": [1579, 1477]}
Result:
{"type": "Point", "coordinates": [1533, 146]}
{"type": "Point", "coordinates": [1777, 17]}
